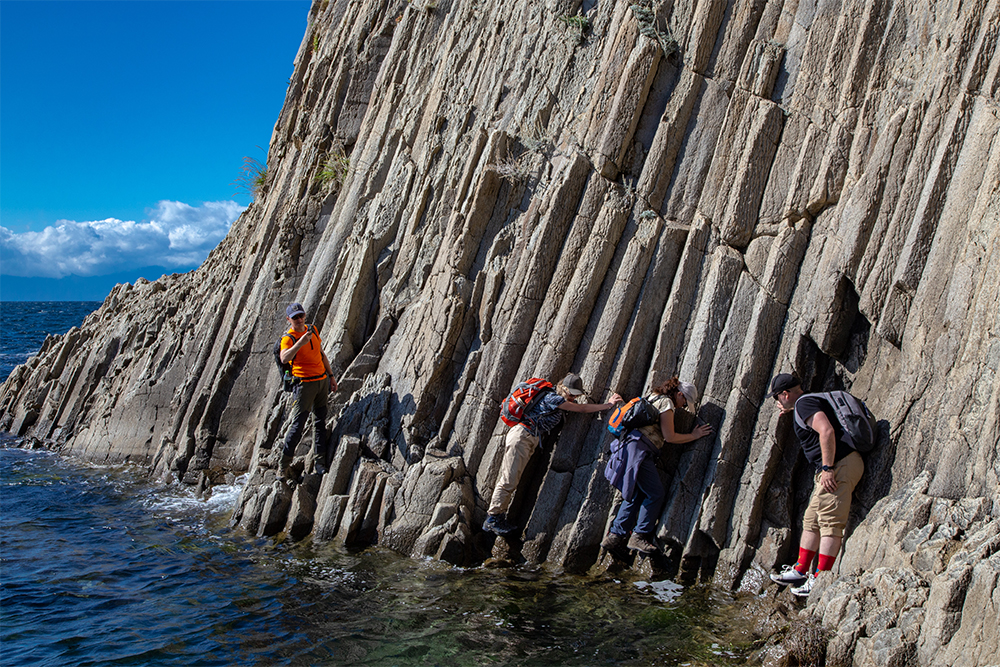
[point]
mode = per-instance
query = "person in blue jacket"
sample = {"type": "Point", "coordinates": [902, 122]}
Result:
{"type": "Point", "coordinates": [635, 473]}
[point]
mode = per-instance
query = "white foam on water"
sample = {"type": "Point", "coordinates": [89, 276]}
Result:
{"type": "Point", "coordinates": [664, 591]}
{"type": "Point", "coordinates": [182, 499]}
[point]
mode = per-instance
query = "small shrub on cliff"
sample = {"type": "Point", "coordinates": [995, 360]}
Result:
{"type": "Point", "coordinates": [515, 170]}
{"type": "Point", "coordinates": [647, 26]}
{"type": "Point", "coordinates": [579, 25]}
{"type": "Point", "coordinates": [311, 26]}
{"type": "Point", "coordinates": [252, 178]}
{"type": "Point", "coordinates": [535, 138]}
{"type": "Point", "coordinates": [334, 169]}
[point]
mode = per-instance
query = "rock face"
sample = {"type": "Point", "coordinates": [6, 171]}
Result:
{"type": "Point", "coordinates": [717, 190]}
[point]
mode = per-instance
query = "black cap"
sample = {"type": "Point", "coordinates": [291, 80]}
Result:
{"type": "Point", "coordinates": [295, 309]}
{"type": "Point", "coordinates": [783, 382]}
{"type": "Point", "coordinates": [573, 384]}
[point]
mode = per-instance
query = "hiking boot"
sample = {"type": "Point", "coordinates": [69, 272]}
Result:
{"type": "Point", "coordinates": [806, 588]}
{"type": "Point", "coordinates": [497, 524]}
{"type": "Point", "coordinates": [613, 542]}
{"type": "Point", "coordinates": [788, 576]}
{"type": "Point", "coordinates": [319, 468]}
{"type": "Point", "coordinates": [644, 544]}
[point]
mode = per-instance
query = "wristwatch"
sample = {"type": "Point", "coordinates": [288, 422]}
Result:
{"type": "Point", "coordinates": [826, 468]}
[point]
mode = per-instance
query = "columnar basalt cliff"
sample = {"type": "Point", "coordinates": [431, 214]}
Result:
{"type": "Point", "coordinates": [717, 190]}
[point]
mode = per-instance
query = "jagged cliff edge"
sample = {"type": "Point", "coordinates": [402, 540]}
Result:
{"type": "Point", "coordinates": [710, 189]}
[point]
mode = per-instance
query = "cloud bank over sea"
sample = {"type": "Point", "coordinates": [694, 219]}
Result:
{"type": "Point", "coordinates": [177, 236]}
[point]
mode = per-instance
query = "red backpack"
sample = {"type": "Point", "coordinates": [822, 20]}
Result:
{"type": "Point", "coordinates": [524, 397]}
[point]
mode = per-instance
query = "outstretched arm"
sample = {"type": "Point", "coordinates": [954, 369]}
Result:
{"type": "Point", "coordinates": [675, 438]}
{"type": "Point", "coordinates": [570, 406]}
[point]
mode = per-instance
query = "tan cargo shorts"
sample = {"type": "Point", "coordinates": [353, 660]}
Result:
{"type": "Point", "coordinates": [827, 512]}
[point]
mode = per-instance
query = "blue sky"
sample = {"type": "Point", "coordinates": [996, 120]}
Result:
{"type": "Point", "coordinates": [124, 124]}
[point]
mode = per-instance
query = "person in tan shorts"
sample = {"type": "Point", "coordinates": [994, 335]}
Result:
{"type": "Point", "coordinates": [838, 469]}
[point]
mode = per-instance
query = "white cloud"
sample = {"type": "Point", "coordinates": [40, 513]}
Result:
{"type": "Point", "coordinates": [177, 236]}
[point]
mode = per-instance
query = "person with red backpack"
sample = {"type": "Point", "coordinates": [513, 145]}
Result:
{"type": "Point", "coordinates": [534, 409]}
{"type": "Point", "coordinates": [313, 379]}
{"type": "Point", "coordinates": [632, 469]}
{"type": "Point", "coordinates": [827, 445]}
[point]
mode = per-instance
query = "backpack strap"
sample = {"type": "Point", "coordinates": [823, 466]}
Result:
{"type": "Point", "coordinates": [295, 340]}
{"type": "Point", "coordinates": [795, 413]}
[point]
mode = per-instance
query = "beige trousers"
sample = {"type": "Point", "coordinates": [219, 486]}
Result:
{"type": "Point", "coordinates": [518, 448]}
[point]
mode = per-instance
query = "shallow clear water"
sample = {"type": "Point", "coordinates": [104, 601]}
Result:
{"type": "Point", "coordinates": [99, 567]}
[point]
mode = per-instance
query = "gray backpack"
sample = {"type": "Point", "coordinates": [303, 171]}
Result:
{"type": "Point", "coordinates": [857, 421]}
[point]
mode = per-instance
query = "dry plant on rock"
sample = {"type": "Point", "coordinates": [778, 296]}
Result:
{"type": "Point", "coordinates": [334, 168]}
{"type": "Point", "coordinates": [535, 138]}
{"type": "Point", "coordinates": [647, 26]}
{"type": "Point", "coordinates": [513, 169]}
{"type": "Point", "coordinates": [252, 178]}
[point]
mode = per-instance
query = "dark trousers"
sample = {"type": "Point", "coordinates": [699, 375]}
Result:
{"type": "Point", "coordinates": [646, 502]}
{"type": "Point", "coordinates": [309, 396]}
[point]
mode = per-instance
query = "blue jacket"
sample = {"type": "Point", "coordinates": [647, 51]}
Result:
{"type": "Point", "coordinates": [626, 457]}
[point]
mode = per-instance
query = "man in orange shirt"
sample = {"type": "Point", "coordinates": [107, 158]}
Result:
{"type": "Point", "coordinates": [302, 348]}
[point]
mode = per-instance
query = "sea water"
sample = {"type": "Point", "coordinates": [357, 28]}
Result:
{"type": "Point", "coordinates": [25, 324]}
{"type": "Point", "coordinates": [101, 566]}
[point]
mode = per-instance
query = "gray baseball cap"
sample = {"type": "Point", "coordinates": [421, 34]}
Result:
{"type": "Point", "coordinates": [573, 384]}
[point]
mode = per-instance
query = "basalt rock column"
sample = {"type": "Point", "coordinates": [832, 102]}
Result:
{"type": "Point", "coordinates": [467, 194]}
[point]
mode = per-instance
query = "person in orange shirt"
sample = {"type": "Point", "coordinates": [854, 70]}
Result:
{"type": "Point", "coordinates": [302, 348]}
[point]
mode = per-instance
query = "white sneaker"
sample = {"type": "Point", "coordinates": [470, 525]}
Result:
{"type": "Point", "coordinates": [788, 575]}
{"type": "Point", "coordinates": [804, 590]}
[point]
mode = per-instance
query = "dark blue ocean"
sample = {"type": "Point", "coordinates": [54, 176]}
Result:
{"type": "Point", "coordinates": [25, 324]}
{"type": "Point", "coordinates": [101, 566]}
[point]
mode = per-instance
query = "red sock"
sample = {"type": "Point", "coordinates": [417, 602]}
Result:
{"type": "Point", "coordinates": [825, 562]}
{"type": "Point", "coordinates": [805, 560]}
